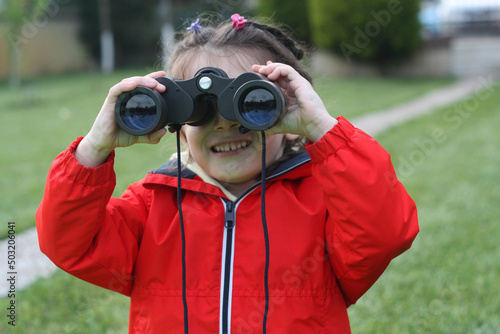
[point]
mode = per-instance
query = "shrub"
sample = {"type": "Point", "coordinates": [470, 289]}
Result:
{"type": "Point", "coordinates": [377, 31]}
{"type": "Point", "coordinates": [294, 14]}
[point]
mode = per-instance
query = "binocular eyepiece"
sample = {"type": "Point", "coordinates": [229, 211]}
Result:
{"type": "Point", "coordinates": [255, 103]}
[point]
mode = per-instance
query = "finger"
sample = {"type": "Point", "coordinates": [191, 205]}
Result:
{"type": "Point", "coordinates": [159, 87]}
{"type": "Point", "coordinates": [157, 74]}
{"type": "Point", "coordinates": [256, 68]}
{"type": "Point", "coordinates": [158, 135]}
{"type": "Point", "coordinates": [265, 69]}
{"type": "Point", "coordinates": [269, 67]}
{"type": "Point", "coordinates": [153, 138]}
{"type": "Point", "coordinates": [131, 83]}
{"type": "Point", "coordinates": [283, 75]}
{"type": "Point", "coordinates": [150, 82]}
{"type": "Point", "coordinates": [285, 71]}
{"type": "Point", "coordinates": [124, 86]}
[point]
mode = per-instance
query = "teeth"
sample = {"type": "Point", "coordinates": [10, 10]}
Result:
{"type": "Point", "coordinates": [230, 146]}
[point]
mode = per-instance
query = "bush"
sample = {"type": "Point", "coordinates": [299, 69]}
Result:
{"type": "Point", "coordinates": [378, 31]}
{"type": "Point", "coordinates": [294, 14]}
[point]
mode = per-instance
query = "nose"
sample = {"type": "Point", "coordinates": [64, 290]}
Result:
{"type": "Point", "coordinates": [222, 123]}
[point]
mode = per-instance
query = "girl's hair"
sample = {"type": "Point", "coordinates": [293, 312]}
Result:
{"type": "Point", "coordinates": [258, 40]}
{"type": "Point", "coordinates": [263, 41]}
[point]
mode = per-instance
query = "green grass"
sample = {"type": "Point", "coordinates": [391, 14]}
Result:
{"type": "Point", "coordinates": [448, 281]}
{"type": "Point", "coordinates": [44, 118]}
{"type": "Point", "coordinates": [64, 304]}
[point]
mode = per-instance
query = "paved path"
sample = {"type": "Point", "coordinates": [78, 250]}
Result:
{"type": "Point", "coordinates": [379, 121]}
{"type": "Point", "coordinates": [31, 264]}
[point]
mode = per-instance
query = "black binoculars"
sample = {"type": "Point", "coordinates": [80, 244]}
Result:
{"type": "Point", "coordinates": [255, 103]}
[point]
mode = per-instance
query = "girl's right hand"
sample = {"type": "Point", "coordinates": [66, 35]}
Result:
{"type": "Point", "coordinates": [306, 114]}
{"type": "Point", "coordinates": [105, 135]}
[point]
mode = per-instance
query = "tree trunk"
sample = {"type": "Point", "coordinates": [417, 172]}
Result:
{"type": "Point", "coordinates": [107, 40]}
{"type": "Point", "coordinates": [165, 11]}
{"type": "Point", "coordinates": [15, 67]}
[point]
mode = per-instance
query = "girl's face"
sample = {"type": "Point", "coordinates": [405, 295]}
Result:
{"type": "Point", "coordinates": [219, 148]}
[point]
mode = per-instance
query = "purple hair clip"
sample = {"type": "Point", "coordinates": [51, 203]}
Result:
{"type": "Point", "coordinates": [195, 26]}
{"type": "Point", "coordinates": [238, 21]}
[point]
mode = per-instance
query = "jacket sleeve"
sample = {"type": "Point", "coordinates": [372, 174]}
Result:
{"type": "Point", "coordinates": [371, 218]}
{"type": "Point", "coordinates": [85, 231]}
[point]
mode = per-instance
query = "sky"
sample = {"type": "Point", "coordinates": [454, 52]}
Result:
{"type": "Point", "coordinates": [471, 3]}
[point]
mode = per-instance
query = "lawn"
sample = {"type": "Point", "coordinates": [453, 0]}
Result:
{"type": "Point", "coordinates": [447, 282]}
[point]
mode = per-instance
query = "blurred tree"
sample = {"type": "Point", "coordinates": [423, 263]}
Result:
{"type": "Point", "coordinates": [291, 13]}
{"type": "Point", "coordinates": [378, 31]}
{"type": "Point", "coordinates": [140, 28]}
{"type": "Point", "coordinates": [106, 37]}
{"type": "Point", "coordinates": [133, 27]}
{"type": "Point", "coordinates": [166, 14]}
{"type": "Point", "coordinates": [23, 19]}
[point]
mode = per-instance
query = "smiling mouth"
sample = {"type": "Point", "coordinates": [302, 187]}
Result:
{"type": "Point", "coordinates": [228, 147]}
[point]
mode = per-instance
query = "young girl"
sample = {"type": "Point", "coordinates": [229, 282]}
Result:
{"type": "Point", "coordinates": [336, 214]}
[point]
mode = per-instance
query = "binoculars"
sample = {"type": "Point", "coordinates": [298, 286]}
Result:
{"type": "Point", "coordinates": [255, 103]}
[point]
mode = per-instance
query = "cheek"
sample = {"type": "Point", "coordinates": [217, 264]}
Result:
{"type": "Point", "coordinates": [274, 147]}
{"type": "Point", "coordinates": [192, 137]}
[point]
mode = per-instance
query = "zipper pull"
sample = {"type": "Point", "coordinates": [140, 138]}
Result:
{"type": "Point", "coordinates": [230, 216]}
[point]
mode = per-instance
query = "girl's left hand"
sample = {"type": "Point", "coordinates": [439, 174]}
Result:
{"type": "Point", "coordinates": [306, 115]}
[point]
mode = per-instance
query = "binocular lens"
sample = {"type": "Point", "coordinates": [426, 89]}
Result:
{"type": "Point", "coordinates": [258, 106]}
{"type": "Point", "coordinates": [139, 112]}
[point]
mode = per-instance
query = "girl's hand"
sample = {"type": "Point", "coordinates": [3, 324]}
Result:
{"type": "Point", "coordinates": [105, 135]}
{"type": "Point", "coordinates": [306, 115]}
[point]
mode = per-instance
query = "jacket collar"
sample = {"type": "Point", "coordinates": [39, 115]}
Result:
{"type": "Point", "coordinates": [293, 168]}
{"type": "Point", "coordinates": [289, 165]}
{"type": "Point", "coordinates": [170, 167]}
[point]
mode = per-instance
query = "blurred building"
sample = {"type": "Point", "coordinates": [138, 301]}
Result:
{"type": "Point", "coordinates": [466, 31]}
{"type": "Point", "coordinates": [49, 43]}
{"type": "Point", "coordinates": [460, 38]}
{"type": "Point", "coordinates": [457, 18]}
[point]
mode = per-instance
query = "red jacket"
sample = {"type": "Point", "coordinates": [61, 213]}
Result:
{"type": "Point", "coordinates": [335, 221]}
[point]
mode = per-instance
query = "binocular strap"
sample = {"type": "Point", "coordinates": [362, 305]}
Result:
{"type": "Point", "coordinates": [183, 235]}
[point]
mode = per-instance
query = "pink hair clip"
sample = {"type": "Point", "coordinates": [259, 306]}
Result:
{"type": "Point", "coordinates": [238, 21]}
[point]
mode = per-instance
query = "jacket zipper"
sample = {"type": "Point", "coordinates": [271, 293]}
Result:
{"type": "Point", "coordinates": [227, 267]}
{"type": "Point", "coordinates": [228, 253]}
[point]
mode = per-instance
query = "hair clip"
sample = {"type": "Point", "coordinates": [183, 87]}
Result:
{"type": "Point", "coordinates": [238, 21]}
{"type": "Point", "coordinates": [195, 26]}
